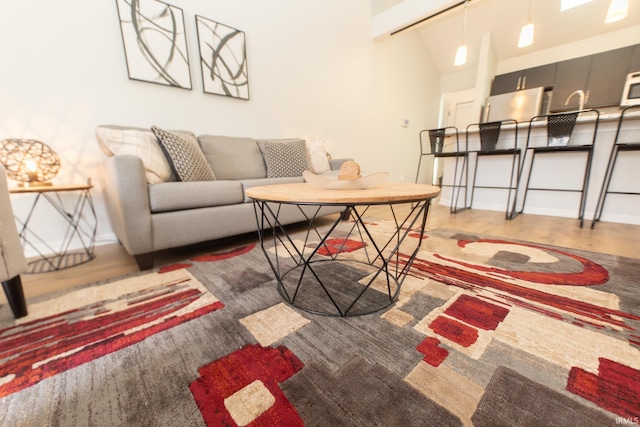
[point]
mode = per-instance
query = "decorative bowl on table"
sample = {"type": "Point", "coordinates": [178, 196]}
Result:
{"type": "Point", "coordinates": [331, 182]}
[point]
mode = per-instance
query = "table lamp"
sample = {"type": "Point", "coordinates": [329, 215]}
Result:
{"type": "Point", "coordinates": [30, 162]}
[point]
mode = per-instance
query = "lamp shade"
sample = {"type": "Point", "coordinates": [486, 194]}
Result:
{"type": "Point", "coordinates": [526, 35]}
{"type": "Point", "coordinates": [618, 9]}
{"type": "Point", "coordinates": [29, 161]}
{"type": "Point", "coordinates": [461, 55]}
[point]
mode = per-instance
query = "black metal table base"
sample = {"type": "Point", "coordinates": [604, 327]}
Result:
{"type": "Point", "coordinates": [82, 224]}
{"type": "Point", "coordinates": [342, 268]}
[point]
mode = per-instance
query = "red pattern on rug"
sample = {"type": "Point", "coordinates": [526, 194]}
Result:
{"type": "Point", "coordinates": [616, 388]}
{"type": "Point", "coordinates": [454, 330]}
{"type": "Point", "coordinates": [336, 246]}
{"type": "Point", "coordinates": [592, 273]}
{"type": "Point", "coordinates": [222, 378]}
{"type": "Point", "coordinates": [173, 267]}
{"type": "Point", "coordinates": [516, 294]}
{"type": "Point", "coordinates": [224, 255]}
{"type": "Point", "coordinates": [36, 350]}
{"type": "Point", "coordinates": [476, 312]}
{"type": "Point", "coordinates": [206, 258]}
{"type": "Point", "coordinates": [434, 355]}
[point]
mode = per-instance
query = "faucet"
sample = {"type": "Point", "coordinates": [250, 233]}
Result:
{"type": "Point", "coordinates": [580, 93]}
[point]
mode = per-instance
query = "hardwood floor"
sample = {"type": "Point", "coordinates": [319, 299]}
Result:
{"type": "Point", "coordinates": [618, 239]}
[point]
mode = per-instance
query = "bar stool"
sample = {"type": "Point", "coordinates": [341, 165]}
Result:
{"type": "Point", "coordinates": [489, 138]}
{"type": "Point", "coordinates": [560, 139]}
{"type": "Point", "coordinates": [619, 145]}
{"type": "Point", "coordinates": [436, 149]}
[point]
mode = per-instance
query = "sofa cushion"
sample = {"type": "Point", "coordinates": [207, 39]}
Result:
{"type": "Point", "coordinates": [117, 140]}
{"type": "Point", "coordinates": [175, 196]}
{"type": "Point", "coordinates": [248, 183]}
{"type": "Point", "coordinates": [185, 156]}
{"type": "Point", "coordinates": [233, 157]}
{"type": "Point", "coordinates": [284, 157]}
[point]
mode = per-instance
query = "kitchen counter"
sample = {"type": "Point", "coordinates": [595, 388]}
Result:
{"type": "Point", "coordinates": [613, 113]}
{"type": "Point", "coordinates": [607, 114]}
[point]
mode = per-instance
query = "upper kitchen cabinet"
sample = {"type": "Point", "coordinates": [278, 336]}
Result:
{"type": "Point", "coordinates": [634, 66]}
{"type": "Point", "coordinates": [600, 76]}
{"type": "Point", "coordinates": [607, 77]}
{"type": "Point", "coordinates": [571, 75]}
{"type": "Point", "coordinates": [505, 83]}
{"type": "Point", "coordinates": [524, 79]}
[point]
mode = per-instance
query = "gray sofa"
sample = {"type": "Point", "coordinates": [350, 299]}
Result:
{"type": "Point", "coordinates": [150, 212]}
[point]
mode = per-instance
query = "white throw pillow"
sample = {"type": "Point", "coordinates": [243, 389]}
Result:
{"type": "Point", "coordinates": [318, 158]}
{"type": "Point", "coordinates": [117, 140]}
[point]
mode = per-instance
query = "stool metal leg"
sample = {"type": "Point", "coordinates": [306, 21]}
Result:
{"type": "Point", "coordinates": [464, 172]}
{"type": "Point", "coordinates": [510, 209]}
{"type": "Point", "coordinates": [585, 186]}
{"type": "Point", "coordinates": [605, 185]}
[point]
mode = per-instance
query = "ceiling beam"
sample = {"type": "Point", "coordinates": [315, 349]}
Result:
{"type": "Point", "coordinates": [408, 14]}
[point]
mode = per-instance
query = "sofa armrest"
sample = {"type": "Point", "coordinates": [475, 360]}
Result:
{"type": "Point", "coordinates": [12, 259]}
{"type": "Point", "coordinates": [126, 195]}
{"type": "Point", "coordinates": [336, 163]}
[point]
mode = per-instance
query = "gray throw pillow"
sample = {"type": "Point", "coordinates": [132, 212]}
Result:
{"type": "Point", "coordinates": [285, 158]}
{"type": "Point", "coordinates": [184, 155]}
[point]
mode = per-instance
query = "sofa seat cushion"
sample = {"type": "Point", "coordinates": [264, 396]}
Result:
{"type": "Point", "coordinates": [248, 183]}
{"type": "Point", "coordinates": [176, 196]}
{"type": "Point", "coordinates": [233, 157]}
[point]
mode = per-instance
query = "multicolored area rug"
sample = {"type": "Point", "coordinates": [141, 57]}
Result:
{"type": "Point", "coordinates": [486, 332]}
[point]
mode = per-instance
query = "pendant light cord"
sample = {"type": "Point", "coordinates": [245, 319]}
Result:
{"type": "Point", "coordinates": [464, 22]}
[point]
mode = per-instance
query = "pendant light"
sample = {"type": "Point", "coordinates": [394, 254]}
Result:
{"type": "Point", "coordinates": [618, 9]}
{"type": "Point", "coordinates": [570, 4]}
{"type": "Point", "coordinates": [461, 53]}
{"type": "Point", "coordinates": [526, 34]}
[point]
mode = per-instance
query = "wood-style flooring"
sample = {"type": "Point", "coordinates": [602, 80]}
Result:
{"type": "Point", "coordinates": [112, 261]}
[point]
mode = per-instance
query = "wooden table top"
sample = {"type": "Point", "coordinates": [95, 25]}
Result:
{"type": "Point", "coordinates": [50, 188]}
{"type": "Point", "coordinates": [392, 192]}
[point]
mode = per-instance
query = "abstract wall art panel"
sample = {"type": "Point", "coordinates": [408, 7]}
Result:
{"type": "Point", "coordinates": [155, 43]}
{"type": "Point", "coordinates": [223, 59]}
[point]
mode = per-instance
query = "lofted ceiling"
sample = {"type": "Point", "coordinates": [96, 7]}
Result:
{"type": "Point", "coordinates": [442, 34]}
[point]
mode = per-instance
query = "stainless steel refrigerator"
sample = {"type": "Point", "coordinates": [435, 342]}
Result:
{"type": "Point", "coordinates": [521, 105]}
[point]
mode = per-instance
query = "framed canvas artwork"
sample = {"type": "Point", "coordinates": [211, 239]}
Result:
{"type": "Point", "coordinates": [155, 42]}
{"type": "Point", "coordinates": [223, 59]}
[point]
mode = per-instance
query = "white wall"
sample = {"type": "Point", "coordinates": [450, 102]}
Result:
{"type": "Point", "coordinates": [314, 72]}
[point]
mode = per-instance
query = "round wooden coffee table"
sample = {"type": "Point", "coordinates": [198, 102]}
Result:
{"type": "Point", "coordinates": [342, 268]}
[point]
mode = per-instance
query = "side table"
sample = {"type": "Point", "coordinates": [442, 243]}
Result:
{"type": "Point", "coordinates": [81, 220]}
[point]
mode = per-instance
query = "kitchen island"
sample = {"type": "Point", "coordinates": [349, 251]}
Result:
{"type": "Point", "coordinates": [553, 171]}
